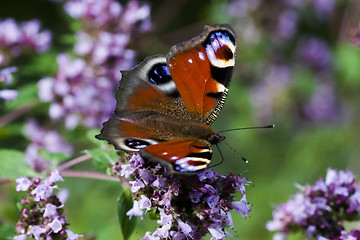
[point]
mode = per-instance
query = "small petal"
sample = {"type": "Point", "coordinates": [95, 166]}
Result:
{"type": "Point", "coordinates": [144, 202]}
{"type": "Point", "coordinates": [20, 237]}
{"type": "Point", "coordinates": [216, 233]}
{"type": "Point", "coordinates": [55, 176]}
{"type": "Point", "coordinates": [23, 184]}
{"type": "Point", "coordinates": [71, 235]}
{"type": "Point", "coordinates": [50, 211]}
{"type": "Point", "coordinates": [55, 225]}
{"type": "Point", "coordinates": [42, 191]}
{"type": "Point", "coordinates": [135, 210]}
{"type": "Point", "coordinates": [36, 231]}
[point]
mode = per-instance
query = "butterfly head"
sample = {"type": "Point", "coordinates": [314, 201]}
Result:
{"type": "Point", "coordinates": [216, 138]}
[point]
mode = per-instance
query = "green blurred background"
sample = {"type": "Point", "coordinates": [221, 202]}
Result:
{"type": "Point", "coordinates": [298, 150]}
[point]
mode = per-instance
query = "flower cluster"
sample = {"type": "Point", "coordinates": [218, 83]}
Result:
{"type": "Point", "coordinates": [300, 59]}
{"type": "Point", "coordinates": [190, 206]}
{"type": "Point", "coordinates": [40, 138]}
{"type": "Point", "coordinates": [320, 210]}
{"type": "Point", "coordinates": [14, 39]}
{"type": "Point", "coordinates": [83, 89]}
{"type": "Point", "coordinates": [42, 214]}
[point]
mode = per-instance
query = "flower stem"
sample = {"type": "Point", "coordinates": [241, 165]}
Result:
{"type": "Point", "coordinates": [9, 117]}
{"type": "Point", "coordinates": [86, 174]}
{"type": "Point", "coordinates": [74, 161]}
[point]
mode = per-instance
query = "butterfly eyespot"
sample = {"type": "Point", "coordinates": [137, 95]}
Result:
{"type": "Point", "coordinates": [220, 48]}
{"type": "Point", "coordinates": [136, 143]}
{"type": "Point", "coordinates": [159, 74]}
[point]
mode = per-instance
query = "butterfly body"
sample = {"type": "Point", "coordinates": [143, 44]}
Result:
{"type": "Point", "coordinates": [166, 104]}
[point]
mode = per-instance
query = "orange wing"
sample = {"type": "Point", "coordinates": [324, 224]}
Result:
{"type": "Point", "coordinates": [202, 68]}
{"type": "Point", "coordinates": [180, 156]}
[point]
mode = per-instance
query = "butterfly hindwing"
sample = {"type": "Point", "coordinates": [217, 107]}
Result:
{"type": "Point", "coordinates": [180, 156]}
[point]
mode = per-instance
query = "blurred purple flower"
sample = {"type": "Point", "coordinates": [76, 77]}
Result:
{"type": "Point", "coordinates": [99, 12]}
{"type": "Point", "coordinates": [287, 24]}
{"type": "Point", "coordinates": [8, 94]}
{"type": "Point", "coordinates": [322, 105]}
{"type": "Point", "coordinates": [242, 11]}
{"type": "Point", "coordinates": [41, 214]}
{"type": "Point", "coordinates": [319, 210]}
{"type": "Point", "coordinates": [14, 38]}
{"type": "Point", "coordinates": [315, 53]}
{"type": "Point", "coordinates": [269, 95]}
{"type": "Point", "coordinates": [102, 52]}
{"type": "Point", "coordinates": [40, 138]}
{"type": "Point", "coordinates": [6, 76]}
{"type": "Point", "coordinates": [322, 8]}
{"type": "Point", "coordinates": [195, 205]}
{"type": "Point", "coordinates": [33, 38]}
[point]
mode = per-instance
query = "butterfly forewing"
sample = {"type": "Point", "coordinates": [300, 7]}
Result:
{"type": "Point", "coordinates": [203, 73]}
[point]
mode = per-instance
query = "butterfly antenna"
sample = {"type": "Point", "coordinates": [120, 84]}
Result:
{"type": "Point", "coordinates": [222, 157]}
{"type": "Point", "coordinates": [237, 153]}
{"type": "Point", "coordinates": [235, 129]}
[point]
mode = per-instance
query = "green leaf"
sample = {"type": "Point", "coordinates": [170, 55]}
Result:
{"type": "Point", "coordinates": [90, 135]}
{"type": "Point", "coordinates": [7, 231]}
{"type": "Point", "coordinates": [347, 59]}
{"type": "Point", "coordinates": [53, 157]}
{"type": "Point", "coordinates": [102, 156]}
{"type": "Point", "coordinates": [125, 203]}
{"type": "Point", "coordinates": [12, 165]}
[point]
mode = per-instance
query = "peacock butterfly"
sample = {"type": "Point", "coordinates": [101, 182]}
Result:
{"type": "Point", "coordinates": [166, 104]}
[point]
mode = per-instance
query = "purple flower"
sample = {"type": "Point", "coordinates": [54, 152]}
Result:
{"type": "Point", "coordinates": [315, 53]}
{"type": "Point", "coordinates": [20, 237]}
{"type": "Point", "coordinates": [55, 176]}
{"type": "Point", "coordinates": [23, 184]}
{"type": "Point", "coordinates": [14, 38]}
{"type": "Point", "coordinates": [92, 76]}
{"type": "Point", "coordinates": [56, 225]}
{"type": "Point", "coordinates": [144, 203]}
{"type": "Point", "coordinates": [287, 24]}
{"type": "Point", "coordinates": [71, 235]}
{"type": "Point", "coordinates": [31, 36]}
{"type": "Point", "coordinates": [216, 233]}
{"type": "Point", "coordinates": [50, 210]}
{"type": "Point", "coordinates": [242, 207]}
{"type": "Point", "coordinates": [265, 97]}
{"type": "Point", "coordinates": [40, 215]}
{"type": "Point", "coordinates": [36, 231]}
{"type": "Point", "coordinates": [189, 204]}
{"type": "Point", "coordinates": [49, 140]}
{"type": "Point", "coordinates": [6, 74]}
{"type": "Point", "coordinates": [319, 210]}
{"type": "Point", "coordinates": [8, 94]}
{"type": "Point", "coordinates": [42, 191]}
{"type": "Point", "coordinates": [323, 104]}
{"type": "Point", "coordinates": [135, 210]}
